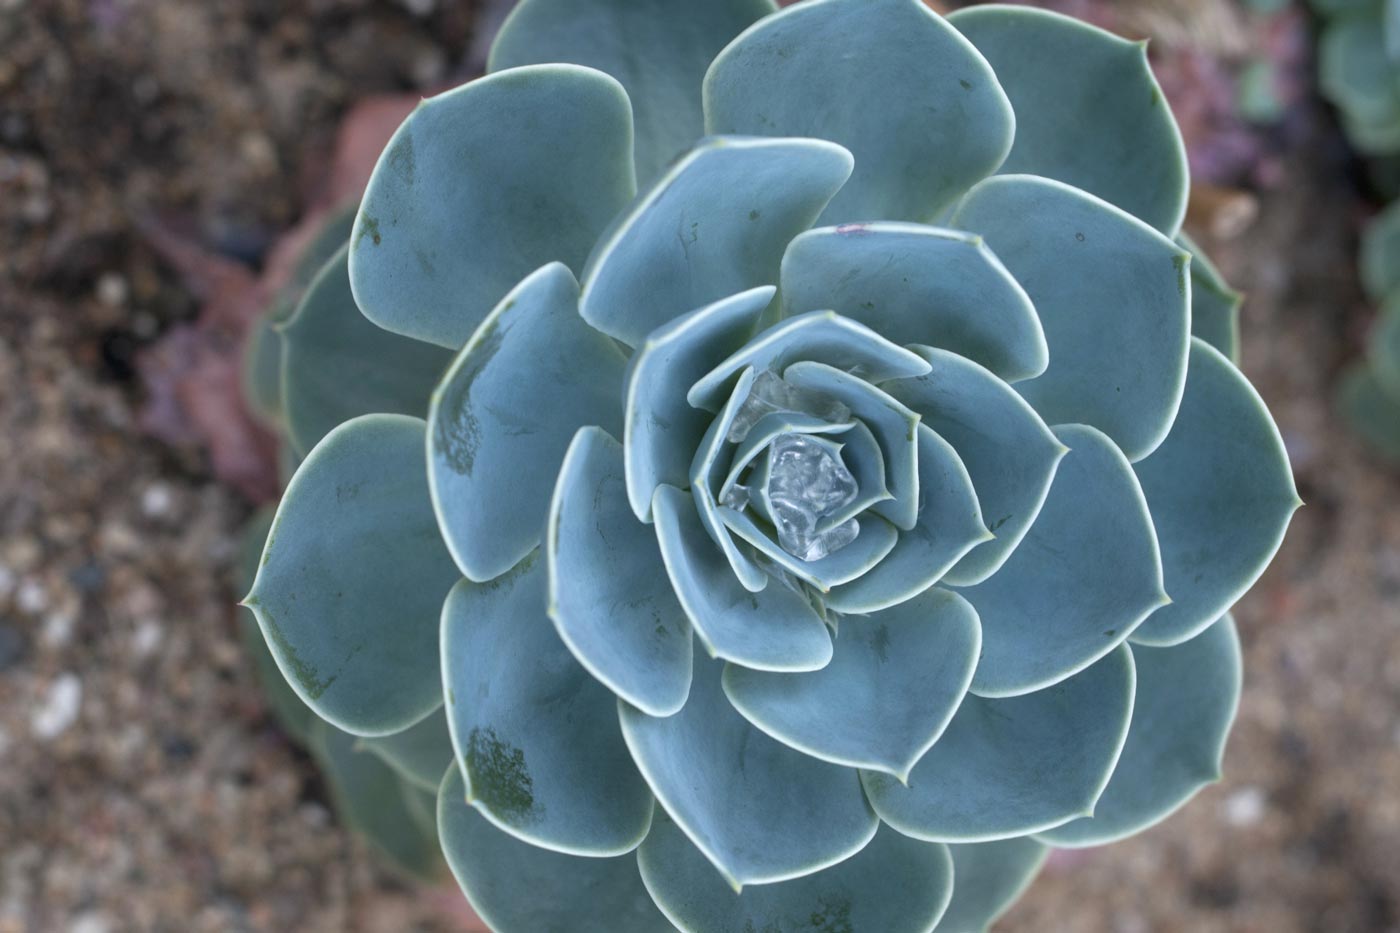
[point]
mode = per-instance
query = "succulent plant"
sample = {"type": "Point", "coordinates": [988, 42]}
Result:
{"type": "Point", "coordinates": [1359, 71]}
{"type": "Point", "coordinates": [856, 345]}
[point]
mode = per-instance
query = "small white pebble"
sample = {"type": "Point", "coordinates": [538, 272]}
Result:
{"type": "Point", "coordinates": [157, 500]}
{"type": "Point", "coordinates": [58, 709]}
{"type": "Point", "coordinates": [419, 7]}
{"type": "Point", "coordinates": [90, 922]}
{"type": "Point", "coordinates": [112, 289]}
{"type": "Point", "coordinates": [31, 597]}
{"type": "Point", "coordinates": [58, 628]}
{"type": "Point", "coordinates": [146, 639]}
{"type": "Point", "coordinates": [1245, 807]}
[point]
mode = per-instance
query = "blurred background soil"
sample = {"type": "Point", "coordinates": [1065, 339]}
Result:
{"type": "Point", "coordinates": [151, 154]}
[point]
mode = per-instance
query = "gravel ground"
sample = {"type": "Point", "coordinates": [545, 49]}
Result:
{"type": "Point", "coordinates": [143, 786]}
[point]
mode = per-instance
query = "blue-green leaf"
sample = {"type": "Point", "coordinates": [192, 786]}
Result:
{"type": "Point", "coordinates": [894, 885]}
{"type": "Point", "coordinates": [517, 887]}
{"type": "Point", "coordinates": [353, 577]}
{"type": "Point", "coordinates": [921, 285]}
{"type": "Point", "coordinates": [370, 797]}
{"type": "Point", "coordinates": [760, 811]}
{"type": "Point", "coordinates": [336, 365]}
{"type": "Point", "coordinates": [950, 525]}
{"type": "Point", "coordinates": [774, 629]}
{"type": "Point", "coordinates": [1007, 449]}
{"type": "Point", "coordinates": [291, 713]}
{"type": "Point", "coordinates": [419, 754]}
{"type": "Point", "coordinates": [536, 736]}
{"type": "Point", "coordinates": [663, 430]}
{"type": "Point", "coordinates": [1014, 766]}
{"type": "Point", "coordinates": [1221, 494]}
{"type": "Point", "coordinates": [1354, 69]}
{"type": "Point", "coordinates": [988, 878]}
{"type": "Point", "coordinates": [894, 425]}
{"type": "Point", "coordinates": [1113, 294]}
{"type": "Point", "coordinates": [1186, 700]}
{"type": "Point", "coordinates": [609, 595]}
{"type": "Point", "coordinates": [894, 683]}
{"type": "Point", "coordinates": [876, 539]}
{"type": "Point", "coordinates": [471, 196]}
{"type": "Point", "coordinates": [1370, 410]}
{"type": "Point", "coordinates": [714, 224]}
{"type": "Point", "coordinates": [1087, 574]}
{"type": "Point", "coordinates": [706, 475]}
{"type": "Point", "coordinates": [1383, 346]}
{"type": "Point", "coordinates": [820, 336]}
{"type": "Point", "coordinates": [262, 371]}
{"type": "Point", "coordinates": [657, 49]}
{"type": "Point", "coordinates": [1380, 254]}
{"type": "Point", "coordinates": [916, 104]}
{"type": "Point", "coordinates": [1215, 306]}
{"type": "Point", "coordinates": [1088, 110]}
{"type": "Point", "coordinates": [504, 414]}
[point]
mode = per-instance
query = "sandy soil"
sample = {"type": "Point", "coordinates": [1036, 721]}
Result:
{"type": "Point", "coordinates": [142, 784]}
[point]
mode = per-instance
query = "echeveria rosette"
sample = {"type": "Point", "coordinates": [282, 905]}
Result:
{"type": "Point", "coordinates": [886, 401]}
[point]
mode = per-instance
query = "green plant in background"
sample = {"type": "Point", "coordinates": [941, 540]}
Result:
{"type": "Point", "coordinates": [1359, 62]}
{"type": "Point", "coordinates": [856, 345]}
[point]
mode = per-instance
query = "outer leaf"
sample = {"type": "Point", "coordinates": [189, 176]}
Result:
{"type": "Point", "coordinates": [471, 196]}
{"type": "Point", "coordinates": [609, 595]}
{"type": "Point", "coordinates": [419, 753]}
{"type": "Point", "coordinates": [1061, 72]}
{"type": "Point", "coordinates": [1088, 573]}
{"type": "Point", "coordinates": [1114, 296]}
{"type": "Point", "coordinates": [774, 629]}
{"type": "Point", "coordinates": [821, 337]}
{"type": "Point", "coordinates": [662, 429]}
{"type": "Point", "coordinates": [886, 696]}
{"type": "Point", "coordinates": [1009, 453]}
{"type": "Point", "coordinates": [988, 777]}
{"type": "Point", "coordinates": [369, 796]}
{"type": "Point", "coordinates": [893, 885]}
{"type": "Point", "coordinates": [917, 284]}
{"type": "Point", "coordinates": [1383, 348]}
{"type": "Point", "coordinates": [1215, 306]}
{"type": "Point", "coordinates": [760, 811]}
{"type": "Point", "coordinates": [353, 578]}
{"type": "Point", "coordinates": [1221, 494]}
{"type": "Point", "coordinates": [714, 224]}
{"type": "Point", "coordinates": [1186, 700]}
{"type": "Point", "coordinates": [889, 79]}
{"type": "Point", "coordinates": [657, 49]}
{"type": "Point", "coordinates": [293, 715]}
{"type": "Point", "coordinates": [990, 877]}
{"type": "Point", "coordinates": [336, 365]}
{"type": "Point", "coordinates": [504, 414]}
{"type": "Point", "coordinates": [536, 736]}
{"type": "Point", "coordinates": [950, 524]}
{"type": "Point", "coordinates": [1354, 70]}
{"type": "Point", "coordinates": [517, 887]}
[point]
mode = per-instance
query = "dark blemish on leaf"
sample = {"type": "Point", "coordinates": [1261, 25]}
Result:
{"type": "Point", "coordinates": [402, 160]}
{"type": "Point", "coordinates": [456, 430]}
{"type": "Point", "coordinates": [966, 84]}
{"type": "Point", "coordinates": [1109, 633]}
{"type": "Point", "coordinates": [868, 305]}
{"type": "Point", "coordinates": [661, 630]}
{"type": "Point", "coordinates": [1079, 237]}
{"type": "Point", "coordinates": [1001, 521]}
{"type": "Point", "coordinates": [306, 675]}
{"type": "Point", "coordinates": [347, 492]}
{"type": "Point", "coordinates": [882, 643]}
{"type": "Point", "coordinates": [832, 916]}
{"type": "Point", "coordinates": [369, 226]}
{"type": "Point", "coordinates": [499, 776]}
{"type": "Point", "coordinates": [424, 263]}
{"type": "Point", "coordinates": [754, 215]}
